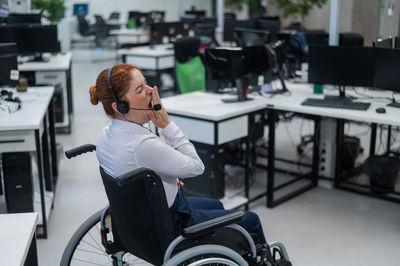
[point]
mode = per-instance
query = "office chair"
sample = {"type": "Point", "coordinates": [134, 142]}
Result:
{"type": "Point", "coordinates": [85, 29]}
{"type": "Point", "coordinates": [114, 16]}
{"type": "Point", "coordinates": [137, 223]}
{"type": "Point", "coordinates": [351, 38]}
{"type": "Point", "coordinates": [190, 73]}
{"type": "Point", "coordinates": [103, 29]}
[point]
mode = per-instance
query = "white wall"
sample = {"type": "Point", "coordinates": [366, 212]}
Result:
{"type": "Point", "coordinates": [171, 7]}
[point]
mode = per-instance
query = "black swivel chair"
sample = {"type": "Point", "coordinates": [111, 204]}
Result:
{"type": "Point", "coordinates": [102, 28]}
{"type": "Point", "coordinates": [189, 69]}
{"type": "Point", "coordinates": [85, 29]}
{"type": "Point", "coordinates": [114, 16]}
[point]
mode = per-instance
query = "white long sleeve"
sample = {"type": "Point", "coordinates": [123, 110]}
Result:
{"type": "Point", "coordinates": [125, 146]}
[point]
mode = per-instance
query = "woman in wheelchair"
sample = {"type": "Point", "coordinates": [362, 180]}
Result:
{"type": "Point", "coordinates": [127, 144]}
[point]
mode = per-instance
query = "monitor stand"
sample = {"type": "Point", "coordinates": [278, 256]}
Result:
{"type": "Point", "coordinates": [241, 93]}
{"type": "Point", "coordinates": [394, 103]}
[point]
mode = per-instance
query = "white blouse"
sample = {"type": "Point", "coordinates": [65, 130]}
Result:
{"type": "Point", "coordinates": [124, 146]}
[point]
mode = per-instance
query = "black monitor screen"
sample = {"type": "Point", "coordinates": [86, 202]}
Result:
{"type": "Point", "coordinates": [168, 29]}
{"type": "Point", "coordinates": [387, 69]}
{"type": "Point", "coordinates": [317, 38]}
{"type": "Point", "coordinates": [343, 65]}
{"type": "Point", "coordinates": [8, 48]}
{"type": "Point", "coordinates": [23, 18]}
{"type": "Point", "coordinates": [250, 37]}
{"type": "Point", "coordinates": [236, 62]}
{"type": "Point", "coordinates": [196, 13]}
{"type": "Point", "coordinates": [8, 63]}
{"type": "Point", "coordinates": [230, 24]}
{"type": "Point", "coordinates": [383, 43]}
{"type": "Point", "coordinates": [31, 38]}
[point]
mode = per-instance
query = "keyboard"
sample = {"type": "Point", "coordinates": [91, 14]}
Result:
{"type": "Point", "coordinates": [336, 102]}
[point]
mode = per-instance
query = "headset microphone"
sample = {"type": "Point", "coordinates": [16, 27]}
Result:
{"type": "Point", "coordinates": [155, 107]}
{"type": "Point", "coordinates": [122, 106]}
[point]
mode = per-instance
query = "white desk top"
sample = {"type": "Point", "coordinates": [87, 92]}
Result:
{"type": "Point", "coordinates": [130, 32]}
{"type": "Point", "coordinates": [209, 106]}
{"type": "Point", "coordinates": [302, 91]}
{"type": "Point", "coordinates": [34, 106]}
{"type": "Point", "coordinates": [157, 50]}
{"type": "Point", "coordinates": [56, 62]}
{"type": "Point", "coordinates": [16, 233]}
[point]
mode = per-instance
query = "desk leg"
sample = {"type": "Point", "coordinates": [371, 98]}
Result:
{"type": "Point", "coordinates": [271, 157]}
{"type": "Point", "coordinates": [41, 182]}
{"type": "Point", "coordinates": [32, 258]}
{"type": "Point", "coordinates": [53, 147]}
{"type": "Point", "coordinates": [315, 159]}
{"type": "Point", "coordinates": [389, 136]}
{"type": "Point", "coordinates": [48, 171]}
{"type": "Point", "coordinates": [372, 142]}
{"type": "Point", "coordinates": [339, 149]}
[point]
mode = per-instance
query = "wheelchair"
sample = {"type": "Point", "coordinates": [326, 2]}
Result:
{"type": "Point", "coordinates": [136, 229]}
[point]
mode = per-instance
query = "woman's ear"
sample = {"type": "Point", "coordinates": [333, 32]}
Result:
{"type": "Point", "coordinates": [114, 107]}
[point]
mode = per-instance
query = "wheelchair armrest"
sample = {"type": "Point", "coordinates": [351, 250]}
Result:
{"type": "Point", "coordinates": [208, 226]}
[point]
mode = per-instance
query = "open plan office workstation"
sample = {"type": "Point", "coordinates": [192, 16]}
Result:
{"type": "Point", "coordinates": [251, 87]}
{"type": "Point", "coordinates": [36, 100]}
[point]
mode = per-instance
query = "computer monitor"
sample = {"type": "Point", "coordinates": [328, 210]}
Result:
{"type": "Point", "coordinates": [341, 65]}
{"type": "Point", "coordinates": [24, 18]}
{"type": "Point", "coordinates": [250, 37]}
{"type": "Point", "coordinates": [235, 64]}
{"type": "Point", "coordinates": [196, 13]}
{"type": "Point", "coordinates": [167, 29]}
{"type": "Point", "coordinates": [230, 24]}
{"type": "Point", "coordinates": [317, 38]}
{"type": "Point", "coordinates": [387, 69]}
{"type": "Point", "coordinates": [383, 43]}
{"type": "Point", "coordinates": [8, 64]}
{"type": "Point", "coordinates": [81, 9]}
{"type": "Point", "coordinates": [31, 38]}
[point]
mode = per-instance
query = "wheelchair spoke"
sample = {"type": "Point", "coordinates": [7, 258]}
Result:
{"type": "Point", "coordinates": [93, 252]}
{"type": "Point", "coordinates": [89, 262]}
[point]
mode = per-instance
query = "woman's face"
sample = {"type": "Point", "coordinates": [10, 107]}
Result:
{"type": "Point", "coordinates": [139, 95]}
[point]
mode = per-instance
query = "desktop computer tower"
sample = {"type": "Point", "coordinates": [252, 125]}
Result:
{"type": "Point", "coordinates": [211, 183]}
{"type": "Point", "coordinates": [18, 183]}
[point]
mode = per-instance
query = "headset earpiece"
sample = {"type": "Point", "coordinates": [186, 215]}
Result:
{"type": "Point", "coordinates": [122, 107]}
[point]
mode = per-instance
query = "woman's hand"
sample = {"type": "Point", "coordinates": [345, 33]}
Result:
{"type": "Point", "coordinates": [179, 183]}
{"type": "Point", "coordinates": [159, 118]}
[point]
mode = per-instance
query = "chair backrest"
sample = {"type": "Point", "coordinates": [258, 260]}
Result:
{"type": "Point", "coordinates": [186, 48]}
{"type": "Point", "coordinates": [83, 24]}
{"type": "Point", "coordinates": [114, 16]}
{"type": "Point", "coordinates": [189, 69]}
{"type": "Point", "coordinates": [99, 20]}
{"type": "Point", "coordinates": [140, 213]}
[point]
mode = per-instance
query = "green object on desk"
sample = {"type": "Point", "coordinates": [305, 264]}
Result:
{"type": "Point", "coordinates": [131, 24]}
{"type": "Point", "coordinates": [318, 88]}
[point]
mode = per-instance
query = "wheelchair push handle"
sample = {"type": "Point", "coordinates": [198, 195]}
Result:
{"type": "Point", "coordinates": [80, 150]}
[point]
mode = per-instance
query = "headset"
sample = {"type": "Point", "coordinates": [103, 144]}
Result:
{"type": "Point", "coordinates": [122, 106]}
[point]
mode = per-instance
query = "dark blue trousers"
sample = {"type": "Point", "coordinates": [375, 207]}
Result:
{"type": "Point", "coordinates": [187, 211]}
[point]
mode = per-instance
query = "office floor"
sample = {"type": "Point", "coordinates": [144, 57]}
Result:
{"type": "Point", "coordinates": [320, 227]}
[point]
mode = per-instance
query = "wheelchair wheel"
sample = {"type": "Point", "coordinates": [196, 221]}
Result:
{"type": "Point", "coordinates": [207, 255]}
{"type": "Point", "coordinates": [85, 247]}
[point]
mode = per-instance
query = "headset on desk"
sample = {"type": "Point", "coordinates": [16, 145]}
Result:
{"type": "Point", "coordinates": [8, 103]}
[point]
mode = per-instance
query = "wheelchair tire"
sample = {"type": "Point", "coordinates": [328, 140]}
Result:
{"type": "Point", "coordinates": [207, 255]}
{"type": "Point", "coordinates": [76, 238]}
{"type": "Point", "coordinates": [85, 247]}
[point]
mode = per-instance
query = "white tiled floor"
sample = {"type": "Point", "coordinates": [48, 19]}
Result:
{"type": "Point", "coordinates": [320, 227]}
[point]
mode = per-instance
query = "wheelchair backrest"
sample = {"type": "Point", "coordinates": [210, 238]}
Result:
{"type": "Point", "coordinates": [140, 213]}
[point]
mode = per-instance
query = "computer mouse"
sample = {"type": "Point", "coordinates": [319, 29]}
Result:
{"type": "Point", "coordinates": [380, 110]}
